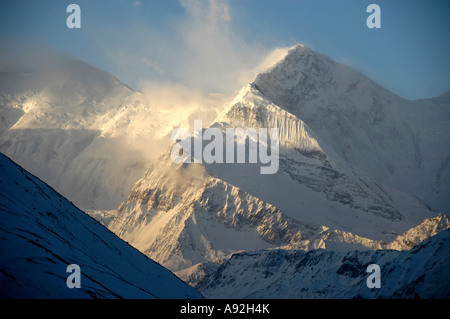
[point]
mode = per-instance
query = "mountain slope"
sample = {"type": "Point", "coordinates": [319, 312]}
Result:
{"type": "Point", "coordinates": [321, 196]}
{"type": "Point", "coordinates": [41, 233]}
{"type": "Point", "coordinates": [418, 273]}
{"type": "Point", "coordinates": [315, 184]}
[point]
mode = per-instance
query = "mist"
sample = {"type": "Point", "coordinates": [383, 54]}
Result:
{"type": "Point", "coordinates": [196, 72]}
{"type": "Point", "coordinates": [201, 49]}
{"type": "Point", "coordinates": [189, 71]}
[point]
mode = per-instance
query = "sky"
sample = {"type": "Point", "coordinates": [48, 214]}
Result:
{"type": "Point", "coordinates": [219, 45]}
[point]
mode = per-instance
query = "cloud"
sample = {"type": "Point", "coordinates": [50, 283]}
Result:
{"type": "Point", "coordinates": [199, 49]}
{"type": "Point", "coordinates": [177, 105]}
{"type": "Point", "coordinates": [192, 69]}
{"type": "Point", "coordinates": [149, 63]}
{"type": "Point", "coordinates": [166, 106]}
{"type": "Point", "coordinates": [215, 57]}
{"type": "Point", "coordinates": [188, 69]}
{"type": "Point", "coordinates": [215, 12]}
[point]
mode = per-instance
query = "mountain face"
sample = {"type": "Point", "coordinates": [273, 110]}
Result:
{"type": "Point", "coordinates": [350, 155]}
{"type": "Point", "coordinates": [41, 233]}
{"type": "Point", "coordinates": [399, 142]}
{"type": "Point", "coordinates": [421, 272]}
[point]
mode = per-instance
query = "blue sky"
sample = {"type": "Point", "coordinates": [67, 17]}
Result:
{"type": "Point", "coordinates": [211, 44]}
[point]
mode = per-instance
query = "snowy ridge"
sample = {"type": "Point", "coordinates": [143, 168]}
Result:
{"type": "Point", "coordinates": [251, 109]}
{"type": "Point", "coordinates": [428, 228]}
{"type": "Point", "coordinates": [202, 218]}
{"type": "Point", "coordinates": [198, 218]}
{"type": "Point", "coordinates": [41, 233]}
{"type": "Point", "coordinates": [181, 225]}
{"type": "Point", "coordinates": [418, 273]}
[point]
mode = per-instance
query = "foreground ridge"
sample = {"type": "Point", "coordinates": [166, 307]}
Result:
{"type": "Point", "coordinates": [42, 234]}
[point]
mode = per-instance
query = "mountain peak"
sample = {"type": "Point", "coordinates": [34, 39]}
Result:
{"type": "Point", "coordinates": [298, 50]}
{"type": "Point", "coordinates": [305, 82]}
{"type": "Point", "coordinates": [307, 75]}
{"type": "Point", "coordinates": [282, 57]}
{"type": "Point", "coordinates": [295, 56]}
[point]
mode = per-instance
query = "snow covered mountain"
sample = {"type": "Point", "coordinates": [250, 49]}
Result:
{"type": "Point", "coordinates": [41, 233]}
{"type": "Point", "coordinates": [402, 143]}
{"type": "Point", "coordinates": [347, 150]}
{"type": "Point", "coordinates": [81, 130]}
{"type": "Point", "coordinates": [62, 125]}
{"type": "Point", "coordinates": [421, 272]}
{"type": "Point", "coordinates": [359, 167]}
